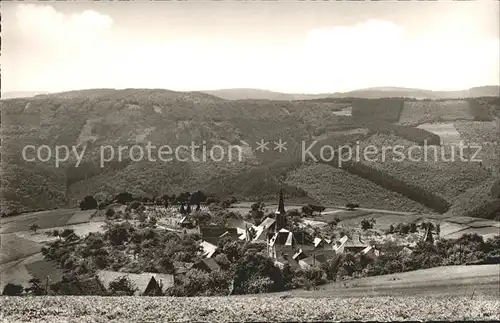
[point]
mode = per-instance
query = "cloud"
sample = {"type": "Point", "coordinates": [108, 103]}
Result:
{"type": "Point", "coordinates": [55, 51]}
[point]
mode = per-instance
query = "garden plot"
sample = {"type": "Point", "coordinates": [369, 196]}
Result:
{"type": "Point", "coordinates": [347, 112]}
{"type": "Point", "coordinates": [81, 217]}
{"type": "Point", "coordinates": [21, 272]}
{"type": "Point", "coordinates": [44, 220]}
{"type": "Point", "coordinates": [16, 248]}
{"type": "Point", "coordinates": [486, 232]}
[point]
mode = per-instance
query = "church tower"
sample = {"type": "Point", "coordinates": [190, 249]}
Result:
{"type": "Point", "coordinates": [280, 212]}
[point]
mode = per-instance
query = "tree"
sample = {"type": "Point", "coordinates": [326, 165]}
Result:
{"type": "Point", "coordinates": [124, 198]}
{"type": "Point", "coordinates": [352, 206]}
{"type": "Point", "coordinates": [197, 198]}
{"type": "Point", "coordinates": [110, 213]}
{"type": "Point", "coordinates": [405, 228]}
{"type": "Point", "coordinates": [12, 290]}
{"type": "Point", "coordinates": [307, 210]}
{"type": "Point", "coordinates": [134, 205]}
{"type": "Point", "coordinates": [88, 203]}
{"type": "Point", "coordinates": [413, 227]}
{"type": "Point", "coordinates": [35, 287]}
{"type": "Point", "coordinates": [228, 202]}
{"type": "Point", "coordinates": [141, 217]}
{"type": "Point", "coordinates": [367, 224]}
{"type": "Point", "coordinates": [257, 211]}
{"type": "Point", "coordinates": [56, 233]}
{"type": "Point", "coordinates": [34, 227]}
{"type": "Point", "coordinates": [391, 229]}
{"type": "Point", "coordinates": [188, 209]}
{"type": "Point", "coordinates": [153, 221]}
{"type": "Point", "coordinates": [122, 286]}
{"type": "Point", "coordinates": [127, 216]}
{"type": "Point", "coordinates": [118, 233]}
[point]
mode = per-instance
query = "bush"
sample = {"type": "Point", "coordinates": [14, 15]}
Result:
{"type": "Point", "coordinates": [88, 203]}
{"type": "Point", "coordinates": [351, 206]}
{"type": "Point", "coordinates": [228, 202]}
{"type": "Point", "coordinates": [124, 198]}
{"type": "Point", "coordinates": [12, 290]}
{"type": "Point", "coordinates": [35, 287]}
{"type": "Point", "coordinates": [122, 286]}
{"type": "Point", "coordinates": [259, 285]}
{"type": "Point", "coordinates": [110, 213]}
{"type": "Point", "coordinates": [134, 205]}
{"type": "Point", "coordinates": [367, 224]}
{"type": "Point", "coordinates": [316, 276]}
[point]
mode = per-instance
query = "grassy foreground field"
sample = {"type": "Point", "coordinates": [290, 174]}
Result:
{"type": "Point", "coordinates": [238, 309]}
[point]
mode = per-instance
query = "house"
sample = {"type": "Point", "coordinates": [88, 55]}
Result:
{"type": "Point", "coordinates": [145, 283]}
{"type": "Point", "coordinates": [186, 222]}
{"type": "Point", "coordinates": [339, 246]}
{"type": "Point", "coordinates": [181, 268]}
{"type": "Point", "coordinates": [214, 233]}
{"type": "Point", "coordinates": [317, 259]}
{"type": "Point", "coordinates": [282, 237]}
{"type": "Point", "coordinates": [207, 265]}
{"type": "Point", "coordinates": [208, 249]}
{"type": "Point", "coordinates": [241, 227]}
{"type": "Point", "coordinates": [262, 229]}
{"type": "Point", "coordinates": [370, 250]}
{"type": "Point", "coordinates": [355, 245]}
{"type": "Point", "coordinates": [320, 242]}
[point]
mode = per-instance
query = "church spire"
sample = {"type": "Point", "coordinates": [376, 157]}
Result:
{"type": "Point", "coordinates": [280, 212]}
{"type": "Point", "coordinates": [281, 202]}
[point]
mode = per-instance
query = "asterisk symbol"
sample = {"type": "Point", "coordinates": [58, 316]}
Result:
{"type": "Point", "coordinates": [262, 145]}
{"type": "Point", "coordinates": [280, 145]}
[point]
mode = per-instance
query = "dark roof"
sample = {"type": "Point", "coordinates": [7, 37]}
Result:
{"type": "Point", "coordinates": [237, 223]}
{"type": "Point", "coordinates": [215, 231]}
{"type": "Point", "coordinates": [182, 267]}
{"type": "Point", "coordinates": [207, 263]}
{"type": "Point", "coordinates": [355, 243]}
{"type": "Point", "coordinates": [267, 223]}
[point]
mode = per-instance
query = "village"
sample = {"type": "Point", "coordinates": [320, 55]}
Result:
{"type": "Point", "coordinates": [307, 244]}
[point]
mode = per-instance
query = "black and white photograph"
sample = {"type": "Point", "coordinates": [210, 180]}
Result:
{"type": "Point", "coordinates": [250, 161]}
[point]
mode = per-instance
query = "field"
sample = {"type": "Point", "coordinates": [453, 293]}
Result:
{"type": "Point", "coordinates": [248, 308]}
{"type": "Point", "coordinates": [44, 219]}
{"type": "Point", "coordinates": [439, 281]}
{"type": "Point", "coordinates": [418, 112]}
{"type": "Point", "coordinates": [20, 272]}
{"type": "Point", "coordinates": [20, 257]}
{"type": "Point", "coordinates": [15, 248]}
{"type": "Point", "coordinates": [446, 131]}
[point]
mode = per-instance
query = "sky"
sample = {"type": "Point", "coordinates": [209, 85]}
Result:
{"type": "Point", "coordinates": [285, 46]}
